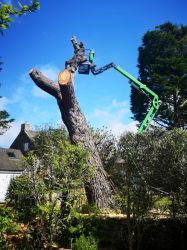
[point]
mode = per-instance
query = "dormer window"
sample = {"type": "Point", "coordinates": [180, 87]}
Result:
{"type": "Point", "coordinates": [26, 146]}
{"type": "Point", "coordinates": [11, 155]}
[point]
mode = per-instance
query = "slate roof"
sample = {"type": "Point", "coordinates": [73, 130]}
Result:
{"type": "Point", "coordinates": [10, 160]}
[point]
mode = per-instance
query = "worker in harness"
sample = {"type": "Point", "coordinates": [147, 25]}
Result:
{"type": "Point", "coordinates": [79, 55]}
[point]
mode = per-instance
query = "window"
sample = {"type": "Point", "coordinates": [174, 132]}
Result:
{"type": "Point", "coordinates": [11, 155]}
{"type": "Point", "coordinates": [26, 146]}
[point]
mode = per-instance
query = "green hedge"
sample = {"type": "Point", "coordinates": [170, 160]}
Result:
{"type": "Point", "coordinates": [165, 234]}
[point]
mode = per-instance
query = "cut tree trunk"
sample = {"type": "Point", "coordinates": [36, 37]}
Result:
{"type": "Point", "coordinates": [98, 190]}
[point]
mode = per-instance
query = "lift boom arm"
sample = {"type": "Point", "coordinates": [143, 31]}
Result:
{"type": "Point", "coordinates": [136, 84]}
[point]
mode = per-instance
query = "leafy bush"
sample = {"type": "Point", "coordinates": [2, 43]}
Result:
{"type": "Point", "coordinates": [155, 163]}
{"type": "Point", "coordinates": [22, 198]}
{"type": "Point", "coordinates": [47, 196]}
{"type": "Point", "coordinates": [7, 225]}
{"type": "Point", "coordinates": [85, 243]}
{"type": "Point", "coordinates": [163, 204]}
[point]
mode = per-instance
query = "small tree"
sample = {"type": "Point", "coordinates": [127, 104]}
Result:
{"type": "Point", "coordinates": [136, 199]}
{"type": "Point", "coordinates": [47, 195]}
{"type": "Point", "coordinates": [153, 165]}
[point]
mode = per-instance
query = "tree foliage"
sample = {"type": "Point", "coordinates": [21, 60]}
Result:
{"type": "Point", "coordinates": [5, 121]}
{"type": "Point", "coordinates": [162, 67]}
{"type": "Point", "coordinates": [152, 175]}
{"type": "Point", "coordinates": [157, 161]}
{"type": "Point", "coordinates": [7, 226]}
{"type": "Point", "coordinates": [106, 144]}
{"type": "Point", "coordinates": [49, 193]}
{"type": "Point", "coordinates": [7, 11]}
{"type": "Point", "coordinates": [85, 243]}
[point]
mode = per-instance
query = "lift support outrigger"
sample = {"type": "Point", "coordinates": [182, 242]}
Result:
{"type": "Point", "coordinates": [86, 65]}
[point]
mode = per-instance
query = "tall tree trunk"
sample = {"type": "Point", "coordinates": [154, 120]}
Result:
{"type": "Point", "coordinates": [98, 190]}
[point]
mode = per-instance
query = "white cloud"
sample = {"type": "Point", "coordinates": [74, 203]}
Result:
{"type": "Point", "coordinates": [37, 92]}
{"type": "Point", "coordinates": [112, 116]}
{"type": "Point", "coordinates": [26, 102]}
{"type": "Point", "coordinates": [25, 78]}
{"type": "Point", "coordinates": [50, 71]}
{"type": "Point", "coordinates": [117, 104]}
{"type": "Point", "coordinates": [8, 137]}
{"type": "Point", "coordinates": [97, 113]}
{"type": "Point", "coordinates": [118, 127]}
{"type": "Point", "coordinates": [22, 94]}
{"type": "Point", "coordinates": [3, 103]}
{"type": "Point", "coordinates": [18, 94]}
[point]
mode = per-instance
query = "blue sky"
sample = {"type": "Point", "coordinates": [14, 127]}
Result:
{"type": "Point", "coordinates": [114, 29]}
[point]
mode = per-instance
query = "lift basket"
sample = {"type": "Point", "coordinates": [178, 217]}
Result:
{"type": "Point", "coordinates": [84, 68]}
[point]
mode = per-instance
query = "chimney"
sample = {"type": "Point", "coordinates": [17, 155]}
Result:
{"type": "Point", "coordinates": [25, 127]}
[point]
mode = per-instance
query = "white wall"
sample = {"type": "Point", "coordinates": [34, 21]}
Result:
{"type": "Point", "coordinates": [5, 178]}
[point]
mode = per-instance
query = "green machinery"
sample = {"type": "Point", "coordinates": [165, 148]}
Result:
{"type": "Point", "coordinates": [88, 66]}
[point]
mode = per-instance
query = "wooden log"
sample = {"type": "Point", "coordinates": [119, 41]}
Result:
{"type": "Point", "coordinates": [98, 190]}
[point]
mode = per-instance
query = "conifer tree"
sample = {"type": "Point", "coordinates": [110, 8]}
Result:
{"type": "Point", "coordinates": [162, 67]}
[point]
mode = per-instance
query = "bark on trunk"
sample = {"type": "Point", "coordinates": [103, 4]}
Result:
{"type": "Point", "coordinates": [98, 190]}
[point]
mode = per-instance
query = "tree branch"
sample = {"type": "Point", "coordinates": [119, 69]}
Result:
{"type": "Point", "coordinates": [45, 83]}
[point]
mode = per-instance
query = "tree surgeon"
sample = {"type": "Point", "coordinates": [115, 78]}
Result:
{"type": "Point", "coordinates": [79, 55]}
{"type": "Point", "coordinates": [98, 189]}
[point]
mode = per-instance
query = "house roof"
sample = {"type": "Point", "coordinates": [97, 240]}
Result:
{"type": "Point", "coordinates": [25, 136]}
{"type": "Point", "coordinates": [10, 160]}
{"type": "Point", "coordinates": [31, 134]}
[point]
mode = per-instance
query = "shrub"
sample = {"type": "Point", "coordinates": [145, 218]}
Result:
{"type": "Point", "coordinates": [85, 243]}
{"type": "Point", "coordinates": [7, 226]}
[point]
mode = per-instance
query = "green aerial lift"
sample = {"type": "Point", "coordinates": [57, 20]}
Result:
{"type": "Point", "coordinates": [89, 66]}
